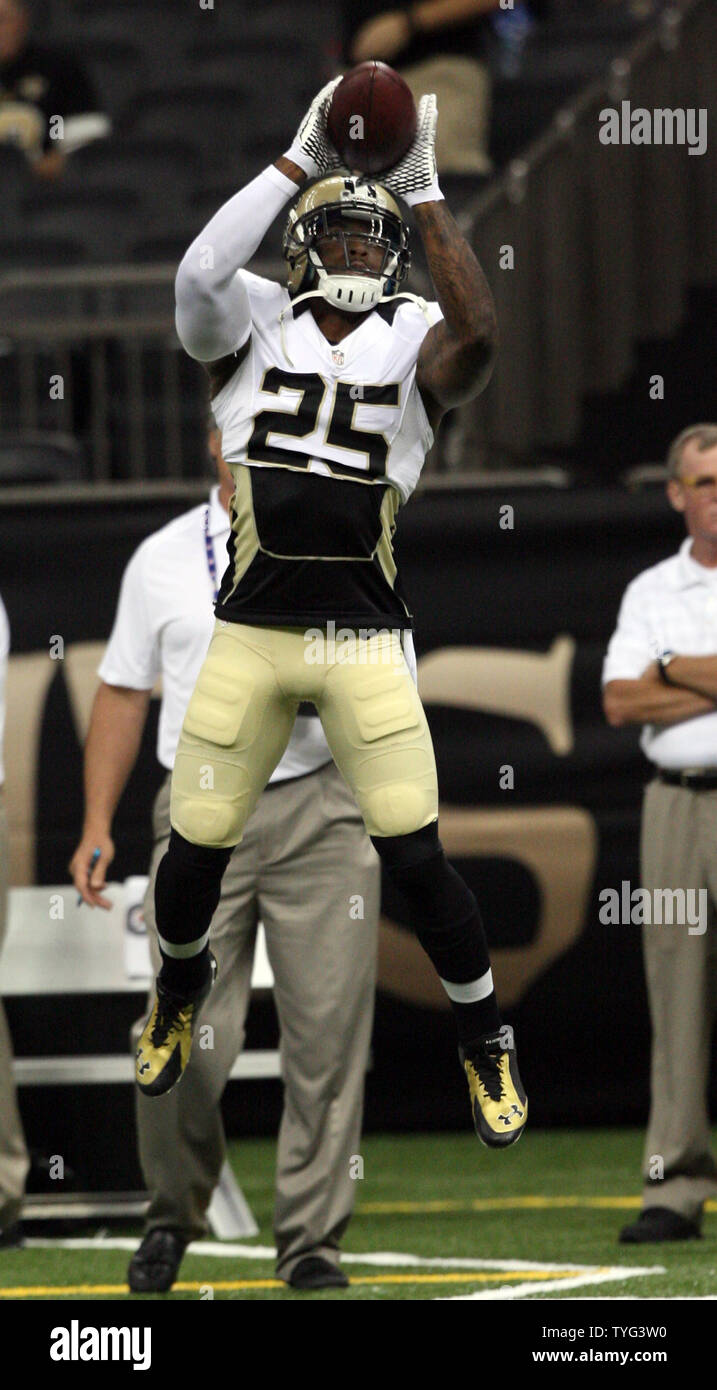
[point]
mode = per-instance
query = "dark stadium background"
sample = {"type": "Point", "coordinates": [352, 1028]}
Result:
{"type": "Point", "coordinates": [615, 281]}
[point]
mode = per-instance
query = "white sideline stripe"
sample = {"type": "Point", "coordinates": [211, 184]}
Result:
{"type": "Point", "coordinates": [471, 993]}
{"type": "Point", "coordinates": [200, 1247]}
{"type": "Point", "coordinates": [507, 1291]}
{"type": "Point", "coordinates": [381, 1258]}
{"type": "Point", "coordinates": [183, 952]}
{"type": "Point", "coordinates": [388, 1258]}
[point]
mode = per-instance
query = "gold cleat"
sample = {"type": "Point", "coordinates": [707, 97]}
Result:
{"type": "Point", "coordinates": [499, 1103]}
{"type": "Point", "coordinates": [166, 1042]}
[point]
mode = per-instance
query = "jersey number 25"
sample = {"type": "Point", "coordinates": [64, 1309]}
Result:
{"type": "Point", "coordinates": [302, 421]}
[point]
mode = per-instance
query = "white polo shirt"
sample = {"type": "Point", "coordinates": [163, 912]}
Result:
{"type": "Point", "coordinates": [4, 653]}
{"type": "Point", "coordinates": [164, 624]}
{"type": "Point", "coordinates": [671, 607]}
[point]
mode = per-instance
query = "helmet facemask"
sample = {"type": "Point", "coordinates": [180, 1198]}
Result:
{"type": "Point", "coordinates": [353, 290]}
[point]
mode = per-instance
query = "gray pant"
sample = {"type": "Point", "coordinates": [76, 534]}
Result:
{"type": "Point", "coordinates": [14, 1161]}
{"type": "Point", "coordinates": [304, 855]}
{"type": "Point", "coordinates": [679, 850]}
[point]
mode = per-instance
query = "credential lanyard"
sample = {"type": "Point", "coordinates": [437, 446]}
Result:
{"type": "Point", "coordinates": [211, 557]}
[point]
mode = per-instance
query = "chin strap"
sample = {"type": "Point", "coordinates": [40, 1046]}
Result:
{"type": "Point", "coordinates": [316, 294]}
{"type": "Point", "coordinates": [416, 299]}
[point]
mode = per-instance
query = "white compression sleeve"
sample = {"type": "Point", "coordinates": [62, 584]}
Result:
{"type": "Point", "coordinates": [213, 317]}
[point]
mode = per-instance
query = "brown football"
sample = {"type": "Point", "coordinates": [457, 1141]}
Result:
{"type": "Point", "coordinates": [372, 118]}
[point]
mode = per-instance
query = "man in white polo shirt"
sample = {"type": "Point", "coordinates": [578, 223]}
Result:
{"type": "Point", "coordinates": [14, 1159]}
{"type": "Point", "coordinates": [304, 856]}
{"type": "Point", "coordinates": [661, 671]}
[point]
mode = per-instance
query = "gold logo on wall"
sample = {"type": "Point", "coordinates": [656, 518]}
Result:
{"type": "Point", "coordinates": [557, 844]}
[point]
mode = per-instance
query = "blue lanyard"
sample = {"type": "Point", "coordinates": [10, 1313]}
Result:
{"type": "Point", "coordinates": [211, 558]}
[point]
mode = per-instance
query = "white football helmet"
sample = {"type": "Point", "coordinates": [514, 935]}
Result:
{"type": "Point", "coordinates": [320, 212]}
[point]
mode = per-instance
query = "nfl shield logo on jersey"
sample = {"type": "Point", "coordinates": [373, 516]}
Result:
{"type": "Point", "coordinates": [337, 357]}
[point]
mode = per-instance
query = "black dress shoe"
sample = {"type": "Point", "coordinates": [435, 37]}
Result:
{"type": "Point", "coordinates": [314, 1272]}
{"type": "Point", "coordinates": [659, 1223]}
{"type": "Point", "coordinates": [153, 1267]}
{"type": "Point", "coordinates": [11, 1237]}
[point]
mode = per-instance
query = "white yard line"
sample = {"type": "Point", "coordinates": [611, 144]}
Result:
{"type": "Point", "coordinates": [594, 1276]}
{"type": "Point", "coordinates": [384, 1258]}
{"type": "Point", "coordinates": [391, 1259]}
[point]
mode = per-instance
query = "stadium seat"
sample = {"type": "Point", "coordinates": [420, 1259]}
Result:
{"type": "Point", "coordinates": [280, 18]}
{"type": "Point", "coordinates": [151, 27]}
{"type": "Point", "coordinates": [116, 66]}
{"type": "Point", "coordinates": [269, 63]}
{"type": "Point", "coordinates": [39, 253]}
{"type": "Point", "coordinates": [563, 63]}
{"type": "Point", "coordinates": [15, 178]}
{"type": "Point", "coordinates": [85, 14]}
{"type": "Point", "coordinates": [160, 172]}
{"type": "Point", "coordinates": [204, 202]}
{"type": "Point", "coordinates": [104, 219]}
{"type": "Point", "coordinates": [460, 190]}
{"type": "Point", "coordinates": [162, 250]}
{"type": "Point", "coordinates": [569, 22]}
{"type": "Point", "coordinates": [259, 148]}
{"type": "Point", "coordinates": [39, 457]}
{"type": "Point", "coordinates": [211, 119]}
{"type": "Point", "coordinates": [521, 110]}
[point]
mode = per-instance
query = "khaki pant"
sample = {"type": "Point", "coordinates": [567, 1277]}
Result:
{"type": "Point", "coordinates": [14, 1160]}
{"type": "Point", "coordinates": [303, 859]}
{"type": "Point", "coordinates": [463, 95]}
{"type": "Point", "coordinates": [679, 850]}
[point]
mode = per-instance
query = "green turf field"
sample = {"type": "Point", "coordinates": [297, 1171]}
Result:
{"type": "Point", "coordinates": [557, 1199]}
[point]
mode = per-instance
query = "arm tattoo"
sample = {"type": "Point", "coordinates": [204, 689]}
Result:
{"type": "Point", "coordinates": [456, 357]}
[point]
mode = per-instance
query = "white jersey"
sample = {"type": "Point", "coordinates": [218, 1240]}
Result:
{"type": "Point", "coordinates": [325, 442]}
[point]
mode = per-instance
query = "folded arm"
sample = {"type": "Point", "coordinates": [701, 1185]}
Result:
{"type": "Point", "coordinates": [649, 701]}
{"type": "Point", "coordinates": [697, 673]}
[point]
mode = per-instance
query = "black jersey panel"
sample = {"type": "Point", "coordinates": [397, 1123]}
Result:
{"type": "Point", "coordinates": [303, 515]}
{"type": "Point", "coordinates": [294, 593]}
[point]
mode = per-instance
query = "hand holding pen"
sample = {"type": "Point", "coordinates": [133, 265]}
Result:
{"type": "Point", "coordinates": [88, 868]}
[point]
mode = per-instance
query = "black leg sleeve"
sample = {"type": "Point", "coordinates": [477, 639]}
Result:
{"type": "Point", "coordinates": [187, 889]}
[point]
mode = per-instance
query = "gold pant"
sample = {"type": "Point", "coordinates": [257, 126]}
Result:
{"type": "Point", "coordinates": [241, 714]}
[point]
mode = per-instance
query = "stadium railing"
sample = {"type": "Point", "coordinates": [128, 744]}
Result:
{"type": "Point", "coordinates": [93, 351]}
{"type": "Point", "coordinates": [605, 242]}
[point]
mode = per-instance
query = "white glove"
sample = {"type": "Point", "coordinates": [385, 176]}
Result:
{"type": "Point", "coordinates": [415, 177]}
{"type": "Point", "coordinates": [312, 150]}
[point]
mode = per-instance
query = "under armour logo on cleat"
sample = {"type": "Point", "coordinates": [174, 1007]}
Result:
{"type": "Point", "coordinates": [514, 1110]}
{"type": "Point", "coordinates": [143, 1067]}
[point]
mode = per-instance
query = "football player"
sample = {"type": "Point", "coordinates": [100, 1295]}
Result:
{"type": "Point", "coordinates": [327, 392]}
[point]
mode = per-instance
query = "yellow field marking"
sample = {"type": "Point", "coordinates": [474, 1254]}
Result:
{"type": "Point", "coordinates": [234, 1285]}
{"type": "Point", "coordinates": [505, 1204]}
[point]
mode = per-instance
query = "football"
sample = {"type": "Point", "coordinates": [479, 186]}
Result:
{"type": "Point", "coordinates": [372, 118]}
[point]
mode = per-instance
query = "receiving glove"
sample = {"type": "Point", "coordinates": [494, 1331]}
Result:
{"type": "Point", "coordinates": [415, 178]}
{"type": "Point", "coordinates": [312, 150]}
